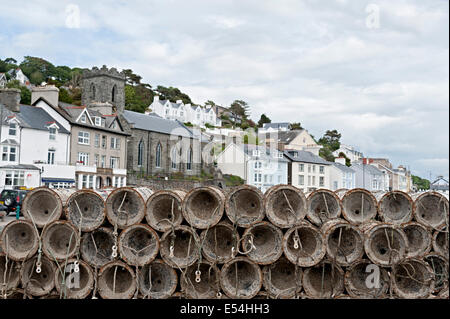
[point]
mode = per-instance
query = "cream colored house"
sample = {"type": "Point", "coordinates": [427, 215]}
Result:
{"type": "Point", "coordinates": [299, 140]}
{"type": "Point", "coordinates": [307, 171]}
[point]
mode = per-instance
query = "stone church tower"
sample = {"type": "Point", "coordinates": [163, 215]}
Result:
{"type": "Point", "coordinates": [105, 86]}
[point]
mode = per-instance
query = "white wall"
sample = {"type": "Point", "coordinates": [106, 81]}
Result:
{"type": "Point", "coordinates": [311, 178]}
{"type": "Point", "coordinates": [232, 161]}
{"type": "Point", "coordinates": [36, 143]}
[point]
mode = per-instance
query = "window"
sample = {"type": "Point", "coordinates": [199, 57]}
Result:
{"type": "Point", "coordinates": [83, 158]}
{"type": "Point", "coordinates": [91, 181]}
{"type": "Point", "coordinates": [256, 164]}
{"type": "Point", "coordinates": [140, 153]}
{"type": "Point", "coordinates": [113, 94]}
{"type": "Point", "coordinates": [314, 168]}
{"type": "Point", "coordinates": [96, 159]}
{"type": "Point", "coordinates": [173, 158]}
{"type": "Point", "coordinates": [309, 180]}
{"type": "Point", "coordinates": [103, 161]}
{"type": "Point", "coordinates": [84, 185]}
{"type": "Point", "coordinates": [114, 162]}
{"type": "Point", "coordinates": [265, 178]}
{"type": "Point", "coordinates": [158, 155]}
{"type": "Point", "coordinates": [83, 138]}
{"type": "Point", "coordinates": [301, 180]}
{"type": "Point", "coordinates": [301, 167]}
{"type": "Point", "coordinates": [98, 121]}
{"type": "Point", "coordinates": [375, 184]}
{"type": "Point", "coordinates": [9, 153]}
{"type": "Point", "coordinates": [52, 133]}
{"type": "Point", "coordinates": [259, 178]}
{"type": "Point", "coordinates": [115, 143]}
{"type": "Point", "coordinates": [123, 181]}
{"type": "Point", "coordinates": [113, 125]}
{"type": "Point", "coordinates": [309, 168]}
{"type": "Point", "coordinates": [279, 179]}
{"type": "Point", "coordinates": [92, 91]}
{"type": "Point", "coordinates": [189, 159]}
{"type": "Point", "coordinates": [12, 128]}
{"type": "Point", "coordinates": [255, 153]}
{"type": "Point", "coordinates": [104, 139]}
{"type": "Point", "coordinates": [321, 181]}
{"type": "Point", "coordinates": [51, 157]}
{"type": "Point", "coordinates": [14, 178]}
{"type": "Point", "coordinates": [83, 118]}
{"type": "Point", "coordinates": [97, 140]}
{"type": "Point", "coordinates": [313, 180]}
{"type": "Point", "coordinates": [256, 178]}
{"type": "Point", "coordinates": [321, 169]}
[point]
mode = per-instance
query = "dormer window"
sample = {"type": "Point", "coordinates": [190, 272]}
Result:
{"type": "Point", "coordinates": [83, 118]}
{"type": "Point", "coordinates": [12, 128]}
{"type": "Point", "coordinates": [98, 121]}
{"type": "Point", "coordinates": [113, 125]}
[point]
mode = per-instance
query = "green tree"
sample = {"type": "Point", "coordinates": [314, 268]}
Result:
{"type": "Point", "coordinates": [326, 154]}
{"type": "Point", "coordinates": [241, 108]}
{"type": "Point", "coordinates": [173, 94]}
{"type": "Point", "coordinates": [36, 77]}
{"type": "Point", "coordinates": [263, 119]}
{"type": "Point", "coordinates": [347, 160]}
{"type": "Point", "coordinates": [31, 65]}
{"type": "Point", "coordinates": [421, 183]}
{"type": "Point", "coordinates": [64, 96]}
{"type": "Point", "coordinates": [25, 94]}
{"type": "Point", "coordinates": [331, 139]}
{"type": "Point", "coordinates": [296, 126]}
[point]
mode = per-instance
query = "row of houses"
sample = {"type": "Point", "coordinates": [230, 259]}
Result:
{"type": "Point", "coordinates": [291, 156]}
{"type": "Point", "coordinates": [95, 145]}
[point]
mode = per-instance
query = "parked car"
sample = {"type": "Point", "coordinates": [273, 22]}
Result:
{"type": "Point", "coordinates": [11, 198]}
{"type": "Point", "coordinates": [3, 212]}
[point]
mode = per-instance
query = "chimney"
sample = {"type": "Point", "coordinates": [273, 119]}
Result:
{"type": "Point", "coordinates": [340, 160]}
{"type": "Point", "coordinates": [49, 92]}
{"type": "Point", "coordinates": [179, 101]}
{"type": "Point", "coordinates": [10, 98]}
{"type": "Point", "coordinates": [156, 98]}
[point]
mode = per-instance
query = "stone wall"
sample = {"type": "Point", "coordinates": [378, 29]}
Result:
{"type": "Point", "coordinates": [158, 184]}
{"type": "Point", "coordinates": [150, 141]}
{"type": "Point", "coordinates": [103, 81]}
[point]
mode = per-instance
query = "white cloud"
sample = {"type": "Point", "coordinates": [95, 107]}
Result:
{"type": "Point", "coordinates": [385, 89]}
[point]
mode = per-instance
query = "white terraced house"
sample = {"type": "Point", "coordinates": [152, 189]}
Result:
{"type": "Point", "coordinates": [195, 114]}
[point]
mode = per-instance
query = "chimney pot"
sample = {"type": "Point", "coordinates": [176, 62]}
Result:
{"type": "Point", "coordinates": [49, 92]}
{"type": "Point", "coordinates": [10, 98]}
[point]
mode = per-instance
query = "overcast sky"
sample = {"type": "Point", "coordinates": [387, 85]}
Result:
{"type": "Point", "coordinates": [377, 71]}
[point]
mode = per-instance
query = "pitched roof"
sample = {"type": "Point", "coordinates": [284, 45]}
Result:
{"type": "Point", "coordinates": [343, 168]}
{"type": "Point", "coordinates": [368, 168]}
{"type": "Point", "coordinates": [157, 124]}
{"type": "Point", "coordinates": [305, 156]}
{"type": "Point", "coordinates": [288, 136]}
{"type": "Point", "coordinates": [33, 117]}
{"type": "Point", "coordinates": [264, 152]}
{"type": "Point", "coordinates": [276, 125]}
{"type": "Point", "coordinates": [71, 112]}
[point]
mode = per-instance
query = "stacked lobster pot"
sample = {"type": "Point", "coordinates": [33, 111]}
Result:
{"type": "Point", "coordinates": [210, 243]}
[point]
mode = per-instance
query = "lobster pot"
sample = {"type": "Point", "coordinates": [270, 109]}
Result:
{"type": "Point", "coordinates": [43, 205]}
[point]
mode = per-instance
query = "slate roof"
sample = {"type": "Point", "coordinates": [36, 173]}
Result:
{"type": "Point", "coordinates": [306, 157]}
{"type": "Point", "coordinates": [368, 168]}
{"type": "Point", "coordinates": [343, 168]}
{"type": "Point", "coordinates": [288, 136]}
{"type": "Point", "coordinates": [71, 112]}
{"type": "Point", "coordinates": [263, 151]}
{"type": "Point", "coordinates": [33, 117]}
{"type": "Point", "coordinates": [157, 124]}
{"type": "Point", "coordinates": [276, 125]}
